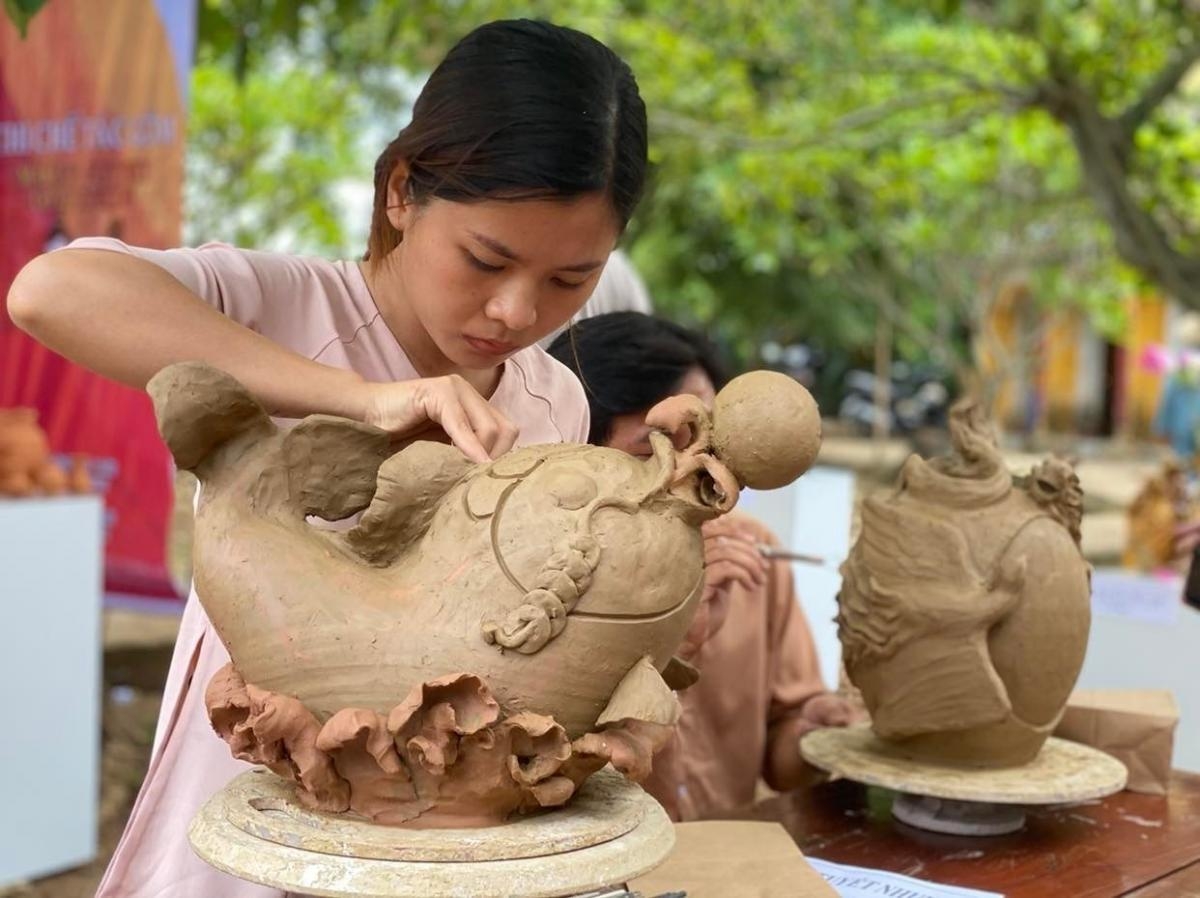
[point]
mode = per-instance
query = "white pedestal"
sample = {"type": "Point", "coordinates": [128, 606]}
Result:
{"type": "Point", "coordinates": [51, 570]}
{"type": "Point", "coordinates": [813, 516]}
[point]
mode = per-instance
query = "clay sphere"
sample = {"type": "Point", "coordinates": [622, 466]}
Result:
{"type": "Point", "coordinates": [766, 429]}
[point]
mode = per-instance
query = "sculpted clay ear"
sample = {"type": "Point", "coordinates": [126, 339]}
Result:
{"type": "Point", "coordinates": [331, 465]}
{"type": "Point", "coordinates": [200, 408]}
{"type": "Point", "coordinates": [406, 492]}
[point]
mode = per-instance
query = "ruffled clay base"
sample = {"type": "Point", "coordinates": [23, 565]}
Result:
{"type": "Point", "coordinates": [446, 756]}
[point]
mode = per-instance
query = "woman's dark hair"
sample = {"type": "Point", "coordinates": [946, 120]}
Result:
{"type": "Point", "coordinates": [518, 110]}
{"type": "Point", "coordinates": [629, 362]}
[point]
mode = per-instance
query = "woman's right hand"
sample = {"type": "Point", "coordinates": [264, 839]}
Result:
{"type": "Point", "coordinates": [406, 407]}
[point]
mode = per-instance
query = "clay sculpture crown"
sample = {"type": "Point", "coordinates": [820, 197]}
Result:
{"type": "Point", "coordinates": [965, 604]}
{"type": "Point", "coordinates": [482, 638]}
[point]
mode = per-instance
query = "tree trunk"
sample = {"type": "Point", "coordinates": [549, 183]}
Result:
{"type": "Point", "coordinates": [1105, 147]}
{"type": "Point", "coordinates": [883, 376]}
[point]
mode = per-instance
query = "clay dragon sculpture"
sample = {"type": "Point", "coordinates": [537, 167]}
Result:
{"type": "Point", "coordinates": [482, 637]}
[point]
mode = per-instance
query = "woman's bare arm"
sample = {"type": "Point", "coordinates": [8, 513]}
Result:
{"type": "Point", "coordinates": [126, 318]}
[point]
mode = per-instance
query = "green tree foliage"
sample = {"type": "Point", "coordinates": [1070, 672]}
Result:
{"type": "Point", "coordinates": [268, 154]}
{"type": "Point", "coordinates": [816, 165]}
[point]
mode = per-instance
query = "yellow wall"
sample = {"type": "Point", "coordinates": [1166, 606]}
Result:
{"type": "Point", "coordinates": [1055, 366]}
{"type": "Point", "coordinates": [1060, 371]}
{"type": "Point", "coordinates": [994, 353]}
{"type": "Point", "coordinates": [1147, 325]}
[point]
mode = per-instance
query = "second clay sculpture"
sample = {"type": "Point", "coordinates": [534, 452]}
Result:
{"type": "Point", "coordinates": [965, 605]}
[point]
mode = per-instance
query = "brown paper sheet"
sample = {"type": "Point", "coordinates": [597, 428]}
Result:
{"type": "Point", "coordinates": [734, 859]}
{"type": "Point", "coordinates": [1135, 726]}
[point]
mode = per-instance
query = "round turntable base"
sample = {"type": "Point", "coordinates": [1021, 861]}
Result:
{"type": "Point", "coordinates": [255, 829]}
{"type": "Point", "coordinates": [963, 800]}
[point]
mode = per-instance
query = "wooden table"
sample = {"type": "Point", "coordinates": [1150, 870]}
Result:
{"type": "Point", "coordinates": [1126, 845]}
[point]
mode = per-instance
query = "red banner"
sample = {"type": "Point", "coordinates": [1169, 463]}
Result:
{"type": "Point", "coordinates": [92, 103]}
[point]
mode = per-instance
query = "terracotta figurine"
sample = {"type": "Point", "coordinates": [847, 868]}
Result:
{"type": "Point", "coordinates": [26, 468]}
{"type": "Point", "coordinates": [1156, 516]}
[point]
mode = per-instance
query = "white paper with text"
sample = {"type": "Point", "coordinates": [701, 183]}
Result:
{"type": "Point", "coordinates": [859, 882]}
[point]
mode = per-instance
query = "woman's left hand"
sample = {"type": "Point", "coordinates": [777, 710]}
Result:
{"type": "Point", "coordinates": [826, 709]}
{"type": "Point", "coordinates": [731, 556]}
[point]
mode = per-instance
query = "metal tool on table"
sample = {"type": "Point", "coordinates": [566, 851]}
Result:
{"type": "Point", "coordinates": [625, 893]}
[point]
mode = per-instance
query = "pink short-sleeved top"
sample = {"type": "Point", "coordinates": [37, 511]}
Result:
{"type": "Point", "coordinates": [324, 311]}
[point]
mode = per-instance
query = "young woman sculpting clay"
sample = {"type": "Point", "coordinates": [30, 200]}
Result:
{"type": "Point", "coordinates": [495, 210]}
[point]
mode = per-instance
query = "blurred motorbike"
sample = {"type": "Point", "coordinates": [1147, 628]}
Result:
{"type": "Point", "coordinates": [799, 360]}
{"type": "Point", "coordinates": [917, 399]}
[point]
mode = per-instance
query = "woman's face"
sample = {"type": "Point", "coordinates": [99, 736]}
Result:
{"type": "Point", "coordinates": [486, 279]}
{"type": "Point", "coordinates": [629, 432]}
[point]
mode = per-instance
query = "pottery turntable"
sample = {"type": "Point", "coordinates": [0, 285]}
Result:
{"type": "Point", "coordinates": [964, 801]}
{"type": "Point", "coordinates": [255, 829]}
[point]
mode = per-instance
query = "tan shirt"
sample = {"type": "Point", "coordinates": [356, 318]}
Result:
{"type": "Point", "coordinates": [756, 672]}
